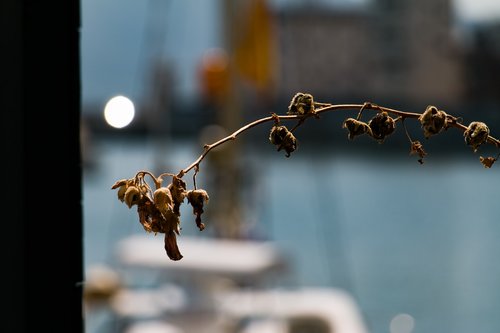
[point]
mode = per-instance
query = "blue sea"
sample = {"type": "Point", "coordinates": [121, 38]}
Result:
{"type": "Point", "coordinates": [401, 237]}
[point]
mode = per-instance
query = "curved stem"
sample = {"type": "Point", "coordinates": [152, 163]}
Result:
{"type": "Point", "coordinates": [324, 108]}
{"type": "Point", "coordinates": [144, 173]}
{"type": "Point", "coordinates": [233, 136]}
{"type": "Point", "coordinates": [160, 177]}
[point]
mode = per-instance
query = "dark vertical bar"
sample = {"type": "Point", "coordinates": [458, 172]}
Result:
{"type": "Point", "coordinates": [12, 203]}
{"type": "Point", "coordinates": [52, 147]}
{"type": "Point", "coordinates": [40, 129]}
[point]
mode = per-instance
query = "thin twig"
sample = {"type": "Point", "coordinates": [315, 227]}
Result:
{"type": "Point", "coordinates": [406, 130]}
{"type": "Point", "coordinates": [142, 173]}
{"type": "Point", "coordinates": [196, 169]}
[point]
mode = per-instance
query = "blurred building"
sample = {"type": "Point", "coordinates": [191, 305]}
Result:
{"type": "Point", "coordinates": [390, 50]}
{"type": "Point", "coordinates": [401, 53]}
{"type": "Point", "coordinates": [483, 64]}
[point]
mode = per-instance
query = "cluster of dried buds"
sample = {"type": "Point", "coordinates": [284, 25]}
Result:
{"type": "Point", "coordinates": [159, 209]}
{"type": "Point", "coordinates": [302, 105]}
{"type": "Point", "coordinates": [379, 127]}
{"type": "Point", "coordinates": [433, 121]}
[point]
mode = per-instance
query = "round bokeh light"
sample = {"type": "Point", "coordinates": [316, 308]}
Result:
{"type": "Point", "coordinates": [119, 111]}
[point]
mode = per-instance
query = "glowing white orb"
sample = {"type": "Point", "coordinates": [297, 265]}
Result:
{"type": "Point", "coordinates": [119, 111]}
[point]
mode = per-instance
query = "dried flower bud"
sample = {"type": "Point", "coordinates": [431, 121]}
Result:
{"type": "Point", "coordinates": [132, 196]}
{"type": "Point", "coordinates": [487, 161]}
{"type": "Point", "coordinates": [381, 126]}
{"type": "Point", "coordinates": [277, 135]}
{"type": "Point", "coordinates": [197, 199]}
{"type": "Point", "coordinates": [171, 222]}
{"type": "Point", "coordinates": [149, 216]}
{"type": "Point", "coordinates": [122, 186]}
{"type": "Point", "coordinates": [432, 121]}
{"type": "Point", "coordinates": [121, 192]}
{"type": "Point", "coordinates": [178, 190]}
{"type": "Point", "coordinates": [476, 134]}
{"type": "Point", "coordinates": [163, 200]}
{"type": "Point", "coordinates": [301, 104]}
{"type": "Point", "coordinates": [417, 148]}
{"type": "Point", "coordinates": [356, 127]}
{"type": "Point", "coordinates": [281, 137]}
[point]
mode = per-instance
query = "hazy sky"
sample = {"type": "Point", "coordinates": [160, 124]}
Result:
{"type": "Point", "coordinates": [117, 40]}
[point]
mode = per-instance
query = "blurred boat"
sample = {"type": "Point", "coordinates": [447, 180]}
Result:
{"type": "Point", "coordinates": [308, 310]}
{"type": "Point", "coordinates": [239, 260]}
{"type": "Point", "coordinates": [223, 286]}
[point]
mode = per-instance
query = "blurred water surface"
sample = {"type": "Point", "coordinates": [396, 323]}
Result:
{"type": "Point", "coordinates": [400, 237]}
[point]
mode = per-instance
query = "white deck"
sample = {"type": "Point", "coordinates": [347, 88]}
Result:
{"type": "Point", "coordinates": [201, 255]}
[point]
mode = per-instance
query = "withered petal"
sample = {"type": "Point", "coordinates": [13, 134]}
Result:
{"type": "Point", "coordinates": [132, 196]}
{"type": "Point", "coordinates": [171, 246]}
{"type": "Point", "coordinates": [119, 183]}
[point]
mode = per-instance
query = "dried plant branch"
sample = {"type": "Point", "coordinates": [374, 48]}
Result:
{"type": "Point", "coordinates": [301, 118]}
{"type": "Point", "coordinates": [158, 209]}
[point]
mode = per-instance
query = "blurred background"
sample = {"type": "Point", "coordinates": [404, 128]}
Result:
{"type": "Point", "coordinates": [343, 236]}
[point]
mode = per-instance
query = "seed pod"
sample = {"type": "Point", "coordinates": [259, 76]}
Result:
{"type": "Point", "coordinates": [432, 120]}
{"type": "Point", "coordinates": [281, 137]}
{"type": "Point", "coordinates": [356, 127]}
{"type": "Point", "coordinates": [301, 104]}
{"type": "Point", "coordinates": [476, 134]}
{"type": "Point", "coordinates": [381, 126]}
{"type": "Point", "coordinates": [132, 196]}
